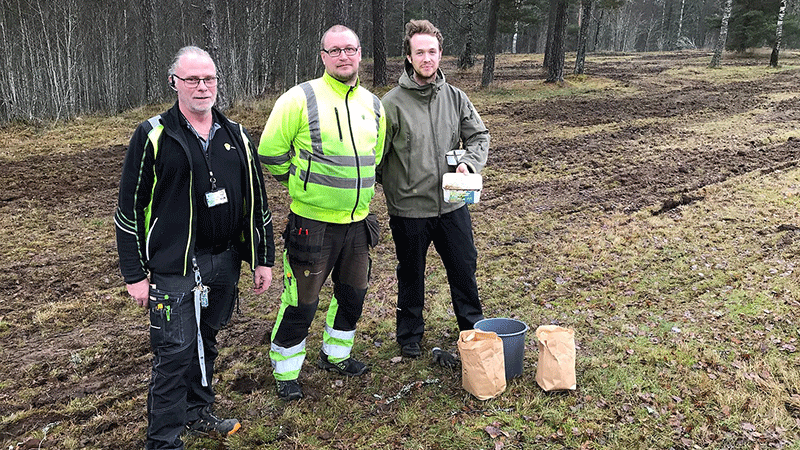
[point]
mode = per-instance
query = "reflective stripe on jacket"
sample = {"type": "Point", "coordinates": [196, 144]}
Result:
{"type": "Point", "coordinates": [323, 141]}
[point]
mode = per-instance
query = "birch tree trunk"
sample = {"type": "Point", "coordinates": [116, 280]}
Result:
{"type": "Point", "coordinates": [662, 37]}
{"type": "Point", "coordinates": [67, 43]}
{"type": "Point", "coordinates": [514, 39]}
{"type": "Point", "coordinates": [212, 47]}
{"type": "Point", "coordinates": [151, 79]}
{"type": "Point", "coordinates": [773, 60]}
{"type": "Point", "coordinates": [110, 64]}
{"type": "Point", "coordinates": [297, 45]}
{"type": "Point", "coordinates": [723, 34]}
{"type": "Point", "coordinates": [8, 88]}
{"type": "Point", "coordinates": [597, 30]}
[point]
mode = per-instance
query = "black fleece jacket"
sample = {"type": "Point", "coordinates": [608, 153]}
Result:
{"type": "Point", "coordinates": [156, 216]}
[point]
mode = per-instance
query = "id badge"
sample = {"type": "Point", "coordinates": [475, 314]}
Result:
{"type": "Point", "coordinates": [216, 197]}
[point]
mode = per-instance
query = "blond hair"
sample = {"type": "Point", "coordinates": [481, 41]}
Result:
{"type": "Point", "coordinates": [337, 29]}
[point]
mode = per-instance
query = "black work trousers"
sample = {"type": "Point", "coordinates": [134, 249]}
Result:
{"type": "Point", "coordinates": [176, 392]}
{"type": "Point", "coordinates": [315, 250]}
{"type": "Point", "coordinates": [451, 235]}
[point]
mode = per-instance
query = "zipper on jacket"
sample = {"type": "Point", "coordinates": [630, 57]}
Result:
{"type": "Point", "coordinates": [338, 123]}
{"type": "Point", "coordinates": [435, 145]}
{"type": "Point", "coordinates": [190, 235]}
{"type": "Point", "coordinates": [355, 152]}
{"type": "Point", "coordinates": [308, 172]}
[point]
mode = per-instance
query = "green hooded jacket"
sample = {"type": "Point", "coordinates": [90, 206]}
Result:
{"type": "Point", "coordinates": [424, 123]}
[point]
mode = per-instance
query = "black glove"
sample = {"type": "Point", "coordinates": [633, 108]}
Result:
{"type": "Point", "coordinates": [444, 359]}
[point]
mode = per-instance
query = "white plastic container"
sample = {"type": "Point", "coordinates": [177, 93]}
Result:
{"type": "Point", "coordinates": [462, 187]}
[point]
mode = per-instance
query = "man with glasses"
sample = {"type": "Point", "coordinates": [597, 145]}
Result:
{"type": "Point", "coordinates": [323, 140]}
{"type": "Point", "coordinates": [192, 206]}
{"type": "Point", "coordinates": [427, 118]}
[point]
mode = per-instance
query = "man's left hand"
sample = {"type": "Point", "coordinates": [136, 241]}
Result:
{"type": "Point", "coordinates": [462, 168]}
{"type": "Point", "coordinates": [262, 279]}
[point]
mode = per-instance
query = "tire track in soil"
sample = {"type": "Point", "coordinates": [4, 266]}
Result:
{"type": "Point", "coordinates": [601, 175]}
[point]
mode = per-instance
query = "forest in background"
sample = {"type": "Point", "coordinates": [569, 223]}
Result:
{"type": "Point", "coordinates": [64, 58]}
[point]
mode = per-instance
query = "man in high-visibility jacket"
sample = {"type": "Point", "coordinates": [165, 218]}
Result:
{"type": "Point", "coordinates": [323, 141]}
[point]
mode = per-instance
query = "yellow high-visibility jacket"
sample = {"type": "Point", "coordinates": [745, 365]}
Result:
{"type": "Point", "coordinates": [323, 141]}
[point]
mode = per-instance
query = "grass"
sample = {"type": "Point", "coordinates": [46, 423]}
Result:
{"type": "Point", "coordinates": [685, 322]}
{"type": "Point", "coordinates": [655, 368]}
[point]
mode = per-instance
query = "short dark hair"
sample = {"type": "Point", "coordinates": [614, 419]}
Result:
{"type": "Point", "coordinates": [420, 27]}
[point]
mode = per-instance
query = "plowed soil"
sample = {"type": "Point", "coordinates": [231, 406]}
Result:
{"type": "Point", "coordinates": [640, 151]}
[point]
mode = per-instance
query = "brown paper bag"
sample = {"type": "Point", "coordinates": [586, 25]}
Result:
{"type": "Point", "coordinates": [556, 369]}
{"type": "Point", "coordinates": [483, 368]}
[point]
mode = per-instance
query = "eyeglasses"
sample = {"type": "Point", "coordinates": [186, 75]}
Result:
{"type": "Point", "coordinates": [193, 82]}
{"type": "Point", "coordinates": [334, 52]}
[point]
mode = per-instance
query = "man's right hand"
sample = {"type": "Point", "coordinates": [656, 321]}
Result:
{"type": "Point", "coordinates": [140, 291]}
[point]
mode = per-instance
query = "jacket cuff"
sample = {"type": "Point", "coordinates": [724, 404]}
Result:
{"type": "Point", "coordinates": [135, 279]}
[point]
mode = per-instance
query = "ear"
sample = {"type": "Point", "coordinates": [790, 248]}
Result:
{"type": "Point", "coordinates": [172, 83]}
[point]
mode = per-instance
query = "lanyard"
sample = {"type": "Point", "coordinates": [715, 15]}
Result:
{"type": "Point", "coordinates": [206, 144]}
{"type": "Point", "coordinates": [200, 301]}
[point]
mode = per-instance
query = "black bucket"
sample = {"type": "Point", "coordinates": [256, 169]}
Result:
{"type": "Point", "coordinates": [512, 333]}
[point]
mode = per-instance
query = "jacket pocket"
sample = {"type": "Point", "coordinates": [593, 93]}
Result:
{"type": "Point", "coordinates": [149, 238]}
{"type": "Point", "coordinates": [373, 229]}
{"type": "Point", "coordinates": [168, 313]}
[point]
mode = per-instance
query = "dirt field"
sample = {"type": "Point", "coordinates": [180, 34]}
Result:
{"type": "Point", "coordinates": [75, 352]}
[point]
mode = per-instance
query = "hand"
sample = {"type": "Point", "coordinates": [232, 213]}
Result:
{"type": "Point", "coordinates": [444, 358]}
{"type": "Point", "coordinates": [140, 291]}
{"type": "Point", "coordinates": [262, 279]}
{"type": "Point", "coordinates": [462, 168]}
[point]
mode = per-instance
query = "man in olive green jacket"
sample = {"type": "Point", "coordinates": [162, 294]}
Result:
{"type": "Point", "coordinates": [427, 117]}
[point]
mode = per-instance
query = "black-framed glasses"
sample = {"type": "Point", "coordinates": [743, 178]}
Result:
{"type": "Point", "coordinates": [334, 52]}
{"type": "Point", "coordinates": [193, 82]}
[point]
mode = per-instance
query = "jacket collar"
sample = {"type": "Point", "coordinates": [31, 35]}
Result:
{"type": "Point", "coordinates": [407, 81]}
{"type": "Point", "coordinates": [174, 121]}
{"type": "Point", "coordinates": [339, 87]}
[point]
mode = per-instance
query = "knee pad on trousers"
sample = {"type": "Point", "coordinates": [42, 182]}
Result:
{"type": "Point", "coordinates": [294, 323]}
{"type": "Point", "coordinates": [350, 306]}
